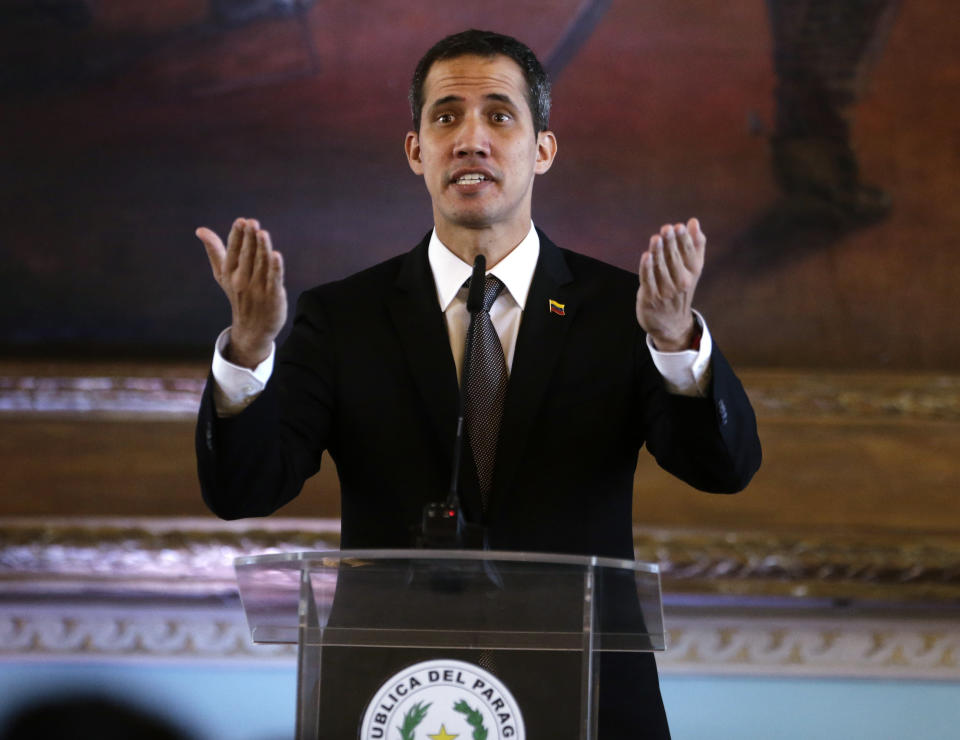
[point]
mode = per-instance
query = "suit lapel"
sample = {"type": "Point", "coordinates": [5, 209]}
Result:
{"type": "Point", "coordinates": [539, 343]}
{"type": "Point", "coordinates": [422, 331]}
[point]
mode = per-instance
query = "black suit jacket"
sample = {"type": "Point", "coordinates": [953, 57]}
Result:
{"type": "Point", "coordinates": [367, 374]}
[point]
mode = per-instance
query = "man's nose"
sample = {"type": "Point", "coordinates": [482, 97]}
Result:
{"type": "Point", "coordinates": [473, 139]}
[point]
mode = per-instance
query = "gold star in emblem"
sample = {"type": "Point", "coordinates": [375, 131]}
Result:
{"type": "Point", "coordinates": [442, 735]}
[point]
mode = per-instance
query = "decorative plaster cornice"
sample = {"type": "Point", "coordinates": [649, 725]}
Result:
{"type": "Point", "coordinates": [882, 567]}
{"type": "Point", "coordinates": [141, 556]}
{"type": "Point", "coordinates": [196, 555]}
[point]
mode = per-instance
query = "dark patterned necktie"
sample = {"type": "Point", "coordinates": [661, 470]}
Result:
{"type": "Point", "coordinates": [486, 390]}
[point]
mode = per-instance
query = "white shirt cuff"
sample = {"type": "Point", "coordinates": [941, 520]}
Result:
{"type": "Point", "coordinates": [686, 373]}
{"type": "Point", "coordinates": [235, 387]}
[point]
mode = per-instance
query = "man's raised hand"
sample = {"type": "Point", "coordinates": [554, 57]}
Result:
{"type": "Point", "coordinates": [669, 271]}
{"type": "Point", "coordinates": [250, 272]}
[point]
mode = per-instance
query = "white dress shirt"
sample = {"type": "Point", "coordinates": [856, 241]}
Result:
{"type": "Point", "coordinates": [685, 373]}
{"type": "Point", "coordinates": [515, 271]}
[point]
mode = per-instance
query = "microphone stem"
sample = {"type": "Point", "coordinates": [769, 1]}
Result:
{"type": "Point", "coordinates": [474, 306]}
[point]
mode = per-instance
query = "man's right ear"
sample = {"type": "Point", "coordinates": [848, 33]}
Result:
{"type": "Point", "coordinates": [411, 146]}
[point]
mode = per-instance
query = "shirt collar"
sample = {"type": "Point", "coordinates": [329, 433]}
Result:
{"type": "Point", "coordinates": [515, 270]}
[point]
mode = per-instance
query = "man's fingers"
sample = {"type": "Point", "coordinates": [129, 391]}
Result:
{"type": "Point", "coordinates": [234, 242]}
{"type": "Point", "coordinates": [648, 276]}
{"type": "Point", "coordinates": [214, 248]}
{"type": "Point", "coordinates": [667, 262]}
{"type": "Point", "coordinates": [644, 257]}
{"type": "Point", "coordinates": [689, 255]}
{"type": "Point", "coordinates": [275, 272]}
{"type": "Point", "coordinates": [274, 263]}
{"type": "Point", "coordinates": [685, 245]}
{"type": "Point", "coordinates": [699, 238]}
{"type": "Point", "coordinates": [673, 254]}
{"type": "Point", "coordinates": [248, 251]}
{"type": "Point", "coordinates": [261, 260]}
{"type": "Point", "coordinates": [669, 271]}
{"type": "Point", "coordinates": [270, 274]}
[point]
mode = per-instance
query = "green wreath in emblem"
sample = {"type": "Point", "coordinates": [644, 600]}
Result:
{"type": "Point", "coordinates": [474, 719]}
{"type": "Point", "coordinates": [411, 719]}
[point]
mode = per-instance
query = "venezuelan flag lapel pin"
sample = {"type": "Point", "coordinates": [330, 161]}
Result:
{"type": "Point", "coordinates": [557, 307]}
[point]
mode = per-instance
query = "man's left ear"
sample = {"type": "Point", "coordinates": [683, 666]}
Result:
{"type": "Point", "coordinates": [411, 145]}
{"type": "Point", "coordinates": [546, 151]}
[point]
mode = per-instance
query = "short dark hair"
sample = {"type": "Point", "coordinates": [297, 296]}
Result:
{"type": "Point", "coordinates": [487, 44]}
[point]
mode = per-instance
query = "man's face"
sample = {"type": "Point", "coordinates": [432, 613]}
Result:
{"type": "Point", "coordinates": [476, 147]}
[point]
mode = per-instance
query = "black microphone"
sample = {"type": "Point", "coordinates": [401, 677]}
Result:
{"type": "Point", "coordinates": [475, 296]}
{"type": "Point", "coordinates": [443, 524]}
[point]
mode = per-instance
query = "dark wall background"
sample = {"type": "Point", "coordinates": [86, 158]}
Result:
{"type": "Point", "coordinates": [124, 126]}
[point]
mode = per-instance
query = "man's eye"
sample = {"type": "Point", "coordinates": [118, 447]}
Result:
{"type": "Point", "coordinates": [501, 117]}
{"type": "Point", "coordinates": [445, 118]}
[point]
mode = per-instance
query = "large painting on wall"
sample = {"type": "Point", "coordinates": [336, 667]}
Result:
{"type": "Point", "coordinates": [812, 139]}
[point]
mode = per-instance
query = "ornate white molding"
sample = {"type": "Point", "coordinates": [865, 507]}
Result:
{"type": "Point", "coordinates": [839, 647]}
{"type": "Point", "coordinates": [741, 645]}
{"type": "Point", "coordinates": [77, 632]}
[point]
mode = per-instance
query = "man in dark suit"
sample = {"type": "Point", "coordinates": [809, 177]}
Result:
{"type": "Point", "coordinates": [597, 366]}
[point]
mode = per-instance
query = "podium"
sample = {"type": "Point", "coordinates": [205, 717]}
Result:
{"type": "Point", "coordinates": [415, 644]}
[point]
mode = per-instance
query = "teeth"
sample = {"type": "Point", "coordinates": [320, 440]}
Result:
{"type": "Point", "coordinates": [470, 179]}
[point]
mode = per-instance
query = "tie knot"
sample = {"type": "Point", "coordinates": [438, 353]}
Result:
{"type": "Point", "coordinates": [491, 289]}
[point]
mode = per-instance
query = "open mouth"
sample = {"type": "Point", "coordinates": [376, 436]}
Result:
{"type": "Point", "coordinates": [471, 179]}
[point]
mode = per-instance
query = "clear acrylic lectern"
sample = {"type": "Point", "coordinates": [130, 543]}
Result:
{"type": "Point", "coordinates": [409, 644]}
